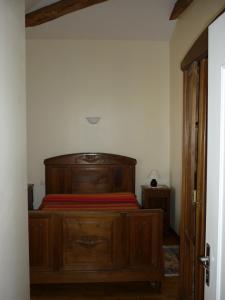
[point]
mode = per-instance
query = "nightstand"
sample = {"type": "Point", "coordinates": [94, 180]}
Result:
{"type": "Point", "coordinates": [30, 196]}
{"type": "Point", "coordinates": [157, 197]}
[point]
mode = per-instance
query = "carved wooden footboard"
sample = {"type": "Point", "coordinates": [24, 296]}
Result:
{"type": "Point", "coordinates": [68, 247]}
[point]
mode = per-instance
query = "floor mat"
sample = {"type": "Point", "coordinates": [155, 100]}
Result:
{"type": "Point", "coordinates": [171, 260]}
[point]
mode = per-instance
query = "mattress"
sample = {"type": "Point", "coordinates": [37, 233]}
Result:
{"type": "Point", "coordinates": [108, 201]}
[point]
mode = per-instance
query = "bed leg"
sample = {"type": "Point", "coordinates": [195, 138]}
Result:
{"type": "Point", "coordinates": [159, 286]}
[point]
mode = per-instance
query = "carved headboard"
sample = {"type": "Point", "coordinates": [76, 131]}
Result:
{"type": "Point", "coordinates": [89, 173]}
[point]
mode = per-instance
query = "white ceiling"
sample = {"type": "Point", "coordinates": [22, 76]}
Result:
{"type": "Point", "coordinates": [35, 4]}
{"type": "Point", "coordinates": [111, 20]}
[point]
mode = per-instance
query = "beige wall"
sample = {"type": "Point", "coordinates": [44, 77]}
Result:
{"type": "Point", "coordinates": [188, 28]}
{"type": "Point", "coordinates": [124, 82]}
{"type": "Point", "coordinates": [14, 271]}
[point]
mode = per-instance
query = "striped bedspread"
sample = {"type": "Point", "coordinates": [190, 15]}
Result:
{"type": "Point", "coordinates": [110, 201]}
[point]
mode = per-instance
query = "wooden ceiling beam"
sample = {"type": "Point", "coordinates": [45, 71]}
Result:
{"type": "Point", "coordinates": [56, 10]}
{"type": "Point", "coordinates": [179, 8]}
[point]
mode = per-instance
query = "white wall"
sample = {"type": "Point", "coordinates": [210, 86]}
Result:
{"type": "Point", "coordinates": [188, 27]}
{"type": "Point", "coordinates": [124, 82]}
{"type": "Point", "coordinates": [13, 200]}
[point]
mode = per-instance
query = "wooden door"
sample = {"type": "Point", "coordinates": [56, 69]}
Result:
{"type": "Point", "coordinates": [188, 218]}
{"type": "Point", "coordinates": [193, 180]}
{"type": "Point", "coordinates": [201, 180]}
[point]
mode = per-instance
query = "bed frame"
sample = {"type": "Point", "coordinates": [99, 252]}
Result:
{"type": "Point", "coordinates": [94, 246]}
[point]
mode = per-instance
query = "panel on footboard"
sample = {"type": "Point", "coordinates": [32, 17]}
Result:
{"type": "Point", "coordinates": [40, 242]}
{"type": "Point", "coordinates": [91, 242]}
{"type": "Point", "coordinates": [145, 241]}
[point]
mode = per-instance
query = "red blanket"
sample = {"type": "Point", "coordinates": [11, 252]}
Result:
{"type": "Point", "coordinates": [111, 201]}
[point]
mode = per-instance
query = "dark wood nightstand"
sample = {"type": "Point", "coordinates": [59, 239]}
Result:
{"type": "Point", "coordinates": [157, 197]}
{"type": "Point", "coordinates": [30, 195]}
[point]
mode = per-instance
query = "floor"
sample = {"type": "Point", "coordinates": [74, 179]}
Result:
{"type": "Point", "coordinates": [111, 291]}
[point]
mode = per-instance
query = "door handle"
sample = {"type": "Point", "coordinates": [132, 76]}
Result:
{"type": "Point", "coordinates": [205, 261]}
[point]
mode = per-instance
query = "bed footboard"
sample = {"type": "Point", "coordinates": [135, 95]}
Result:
{"type": "Point", "coordinates": [67, 247]}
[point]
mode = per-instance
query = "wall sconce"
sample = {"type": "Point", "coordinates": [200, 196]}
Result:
{"type": "Point", "coordinates": [153, 178]}
{"type": "Point", "coordinates": [93, 120]}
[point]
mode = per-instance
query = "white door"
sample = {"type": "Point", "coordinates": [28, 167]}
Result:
{"type": "Point", "coordinates": [215, 215]}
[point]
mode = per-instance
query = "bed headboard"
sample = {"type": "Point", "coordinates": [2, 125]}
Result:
{"type": "Point", "coordinates": [81, 173]}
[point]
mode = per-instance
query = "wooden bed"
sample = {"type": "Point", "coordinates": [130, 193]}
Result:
{"type": "Point", "coordinates": [94, 246]}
